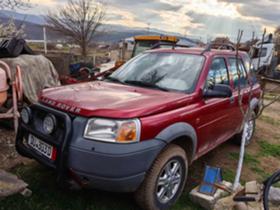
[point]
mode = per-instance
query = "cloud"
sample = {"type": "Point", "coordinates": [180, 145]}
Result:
{"type": "Point", "coordinates": [143, 4]}
{"type": "Point", "coordinates": [265, 10]}
{"type": "Point", "coordinates": [199, 17]}
{"type": "Point", "coordinates": [227, 26]}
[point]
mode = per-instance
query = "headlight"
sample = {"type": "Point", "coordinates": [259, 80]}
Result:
{"type": "Point", "coordinates": [49, 124]}
{"type": "Point", "coordinates": [118, 131]}
{"type": "Point", "coordinates": [25, 115]}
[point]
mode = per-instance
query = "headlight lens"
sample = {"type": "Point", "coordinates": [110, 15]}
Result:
{"type": "Point", "coordinates": [25, 115]}
{"type": "Point", "coordinates": [49, 124]}
{"type": "Point", "coordinates": [118, 131]}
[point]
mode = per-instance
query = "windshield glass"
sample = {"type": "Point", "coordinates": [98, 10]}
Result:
{"type": "Point", "coordinates": [142, 46]}
{"type": "Point", "coordinates": [165, 71]}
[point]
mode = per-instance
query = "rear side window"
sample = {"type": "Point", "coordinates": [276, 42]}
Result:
{"type": "Point", "coordinates": [218, 73]}
{"type": "Point", "coordinates": [242, 81]}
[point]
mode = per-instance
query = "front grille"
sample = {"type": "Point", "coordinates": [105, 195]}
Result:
{"type": "Point", "coordinates": [36, 124]}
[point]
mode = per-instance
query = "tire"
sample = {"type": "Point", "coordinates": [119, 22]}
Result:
{"type": "Point", "coordinates": [275, 178]}
{"type": "Point", "coordinates": [147, 194]}
{"type": "Point", "coordinates": [238, 137]}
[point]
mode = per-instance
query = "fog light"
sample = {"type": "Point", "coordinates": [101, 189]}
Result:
{"type": "Point", "coordinates": [49, 124]}
{"type": "Point", "coordinates": [25, 115]}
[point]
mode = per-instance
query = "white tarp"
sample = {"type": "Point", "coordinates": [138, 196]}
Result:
{"type": "Point", "coordinates": [37, 73]}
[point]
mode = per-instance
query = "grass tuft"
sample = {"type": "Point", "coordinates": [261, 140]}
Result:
{"type": "Point", "coordinates": [228, 175]}
{"type": "Point", "coordinates": [268, 149]}
{"type": "Point", "coordinates": [269, 120]}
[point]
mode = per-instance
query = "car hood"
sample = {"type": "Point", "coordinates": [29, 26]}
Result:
{"type": "Point", "coordinates": [112, 100]}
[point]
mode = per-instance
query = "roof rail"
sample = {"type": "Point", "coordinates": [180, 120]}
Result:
{"type": "Point", "coordinates": [226, 47]}
{"type": "Point", "coordinates": [221, 47]}
{"type": "Point", "coordinates": [207, 48]}
{"type": "Point", "coordinates": [173, 45]}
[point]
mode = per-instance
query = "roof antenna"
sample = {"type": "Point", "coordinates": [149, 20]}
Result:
{"type": "Point", "coordinates": [207, 48]}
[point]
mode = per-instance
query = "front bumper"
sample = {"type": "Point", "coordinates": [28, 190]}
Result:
{"type": "Point", "coordinates": [94, 164]}
{"type": "Point", "coordinates": [113, 167]}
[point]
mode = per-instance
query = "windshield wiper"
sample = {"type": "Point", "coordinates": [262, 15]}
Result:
{"type": "Point", "coordinates": [145, 84]}
{"type": "Point", "coordinates": [113, 79]}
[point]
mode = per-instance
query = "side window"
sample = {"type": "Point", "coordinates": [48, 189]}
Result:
{"type": "Point", "coordinates": [218, 73]}
{"type": "Point", "coordinates": [234, 73]}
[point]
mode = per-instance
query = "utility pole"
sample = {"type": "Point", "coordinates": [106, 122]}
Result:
{"type": "Point", "coordinates": [149, 28]}
{"type": "Point", "coordinates": [45, 40]}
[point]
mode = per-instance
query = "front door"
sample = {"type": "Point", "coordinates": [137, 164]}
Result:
{"type": "Point", "coordinates": [215, 118]}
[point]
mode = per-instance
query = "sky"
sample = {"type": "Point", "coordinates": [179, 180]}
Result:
{"type": "Point", "coordinates": [202, 19]}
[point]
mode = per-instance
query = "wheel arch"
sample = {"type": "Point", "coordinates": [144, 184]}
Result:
{"type": "Point", "coordinates": [255, 105]}
{"type": "Point", "coordinates": [183, 135]}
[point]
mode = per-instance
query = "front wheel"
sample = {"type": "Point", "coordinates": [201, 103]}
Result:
{"type": "Point", "coordinates": [165, 180]}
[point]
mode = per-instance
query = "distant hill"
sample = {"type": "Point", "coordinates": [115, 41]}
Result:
{"type": "Point", "coordinates": [36, 19]}
{"type": "Point", "coordinates": [109, 33]}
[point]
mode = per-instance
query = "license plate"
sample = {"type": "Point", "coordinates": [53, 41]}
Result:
{"type": "Point", "coordinates": [41, 147]}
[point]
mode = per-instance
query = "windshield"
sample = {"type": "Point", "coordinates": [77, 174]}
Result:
{"type": "Point", "coordinates": [142, 46]}
{"type": "Point", "coordinates": [165, 71]}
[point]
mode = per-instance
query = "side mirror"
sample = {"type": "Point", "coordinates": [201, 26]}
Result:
{"type": "Point", "coordinates": [218, 91]}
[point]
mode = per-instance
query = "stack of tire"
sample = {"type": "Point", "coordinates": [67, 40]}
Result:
{"type": "Point", "coordinates": [10, 48]}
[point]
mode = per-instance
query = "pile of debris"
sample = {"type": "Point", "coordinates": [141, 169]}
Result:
{"type": "Point", "coordinates": [11, 184]}
{"type": "Point", "coordinates": [248, 197]}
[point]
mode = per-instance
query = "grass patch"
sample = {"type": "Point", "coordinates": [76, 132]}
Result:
{"type": "Point", "coordinates": [260, 172]}
{"type": "Point", "coordinates": [48, 196]}
{"type": "Point", "coordinates": [270, 120]}
{"type": "Point", "coordinates": [268, 149]}
{"type": "Point", "coordinates": [252, 162]}
{"type": "Point", "coordinates": [248, 158]}
{"type": "Point", "coordinates": [228, 175]}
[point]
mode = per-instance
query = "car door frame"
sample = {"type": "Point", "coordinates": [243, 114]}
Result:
{"type": "Point", "coordinates": [238, 116]}
{"type": "Point", "coordinates": [214, 117]}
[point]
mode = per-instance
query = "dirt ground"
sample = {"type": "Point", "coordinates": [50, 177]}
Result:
{"type": "Point", "coordinates": [9, 158]}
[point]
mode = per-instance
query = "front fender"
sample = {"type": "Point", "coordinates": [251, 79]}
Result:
{"type": "Point", "coordinates": [177, 130]}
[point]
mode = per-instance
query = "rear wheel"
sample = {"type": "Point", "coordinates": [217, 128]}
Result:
{"type": "Point", "coordinates": [249, 131]}
{"type": "Point", "coordinates": [165, 181]}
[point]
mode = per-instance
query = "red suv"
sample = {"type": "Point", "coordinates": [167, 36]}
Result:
{"type": "Point", "coordinates": [141, 128]}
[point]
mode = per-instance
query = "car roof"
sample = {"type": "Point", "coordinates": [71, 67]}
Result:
{"type": "Point", "coordinates": [198, 51]}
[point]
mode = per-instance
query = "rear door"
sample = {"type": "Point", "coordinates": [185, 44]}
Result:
{"type": "Point", "coordinates": [215, 120]}
{"type": "Point", "coordinates": [238, 82]}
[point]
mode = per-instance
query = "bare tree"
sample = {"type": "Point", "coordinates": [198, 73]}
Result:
{"type": "Point", "coordinates": [78, 20]}
{"type": "Point", "coordinates": [248, 112]}
{"type": "Point", "coordinates": [10, 29]}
